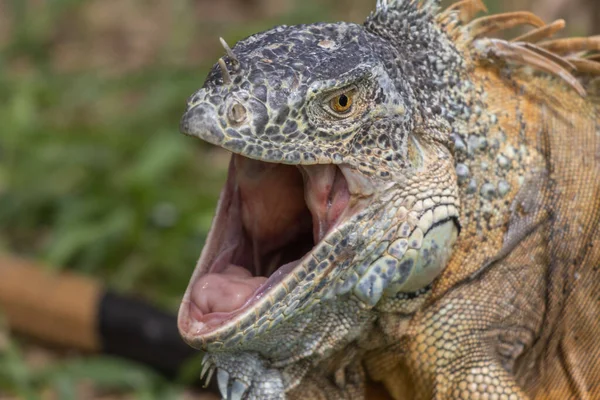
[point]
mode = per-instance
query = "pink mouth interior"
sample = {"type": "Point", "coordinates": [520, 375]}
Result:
{"type": "Point", "coordinates": [270, 217]}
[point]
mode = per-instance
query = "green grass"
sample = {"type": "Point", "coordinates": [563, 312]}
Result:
{"type": "Point", "coordinates": [95, 178]}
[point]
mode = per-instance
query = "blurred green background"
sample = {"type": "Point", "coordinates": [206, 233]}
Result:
{"type": "Point", "coordinates": [94, 176]}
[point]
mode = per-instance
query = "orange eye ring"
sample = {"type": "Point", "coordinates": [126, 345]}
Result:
{"type": "Point", "coordinates": [341, 103]}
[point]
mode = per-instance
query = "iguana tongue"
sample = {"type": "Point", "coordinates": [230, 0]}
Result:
{"type": "Point", "coordinates": [276, 207]}
{"type": "Point", "coordinates": [225, 291]}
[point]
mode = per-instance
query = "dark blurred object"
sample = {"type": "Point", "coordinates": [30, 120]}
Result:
{"type": "Point", "coordinates": [73, 311]}
{"type": "Point", "coordinates": [133, 329]}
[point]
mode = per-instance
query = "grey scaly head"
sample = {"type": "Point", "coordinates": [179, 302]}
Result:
{"type": "Point", "coordinates": [341, 193]}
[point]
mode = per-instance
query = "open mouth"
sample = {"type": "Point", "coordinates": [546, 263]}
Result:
{"type": "Point", "coordinates": [270, 217]}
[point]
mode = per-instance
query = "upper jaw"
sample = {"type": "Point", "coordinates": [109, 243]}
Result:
{"type": "Point", "coordinates": [245, 126]}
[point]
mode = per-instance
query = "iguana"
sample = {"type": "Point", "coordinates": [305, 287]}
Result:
{"type": "Point", "coordinates": [411, 202]}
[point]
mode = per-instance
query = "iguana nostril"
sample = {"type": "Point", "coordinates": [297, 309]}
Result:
{"type": "Point", "coordinates": [237, 113]}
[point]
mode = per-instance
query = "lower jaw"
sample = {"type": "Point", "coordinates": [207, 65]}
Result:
{"type": "Point", "coordinates": [268, 301]}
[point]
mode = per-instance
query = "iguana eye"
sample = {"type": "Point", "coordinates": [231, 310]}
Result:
{"type": "Point", "coordinates": [341, 103]}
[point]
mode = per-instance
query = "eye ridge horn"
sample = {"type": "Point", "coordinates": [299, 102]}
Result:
{"type": "Point", "coordinates": [235, 61]}
{"type": "Point", "coordinates": [224, 72]}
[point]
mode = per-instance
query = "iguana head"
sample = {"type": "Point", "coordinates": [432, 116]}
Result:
{"type": "Point", "coordinates": [341, 188]}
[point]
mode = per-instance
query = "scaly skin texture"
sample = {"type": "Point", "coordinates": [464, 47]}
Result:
{"type": "Point", "coordinates": [470, 270]}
